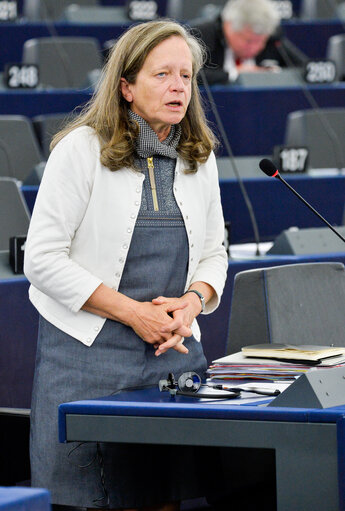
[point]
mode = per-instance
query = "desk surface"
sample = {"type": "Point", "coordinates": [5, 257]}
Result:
{"type": "Point", "coordinates": [24, 499]}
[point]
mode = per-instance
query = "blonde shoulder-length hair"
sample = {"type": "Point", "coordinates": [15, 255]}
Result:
{"type": "Point", "coordinates": [107, 111]}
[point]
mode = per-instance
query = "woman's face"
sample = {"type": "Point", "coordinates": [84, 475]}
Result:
{"type": "Point", "coordinates": [162, 90]}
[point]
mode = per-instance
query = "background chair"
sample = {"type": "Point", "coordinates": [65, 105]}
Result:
{"type": "Point", "coordinates": [319, 9]}
{"type": "Point", "coordinates": [46, 126]}
{"type": "Point", "coordinates": [14, 214]}
{"type": "Point", "coordinates": [285, 78]}
{"type": "Point", "coordinates": [322, 131]}
{"type": "Point", "coordinates": [336, 51]}
{"type": "Point", "coordinates": [19, 149]}
{"type": "Point", "coordinates": [95, 14]}
{"type": "Point", "coordinates": [187, 10]}
{"type": "Point", "coordinates": [247, 166]}
{"type": "Point", "coordinates": [64, 62]}
{"type": "Point", "coordinates": [341, 11]}
{"type": "Point", "coordinates": [52, 10]}
{"type": "Point", "coordinates": [296, 304]}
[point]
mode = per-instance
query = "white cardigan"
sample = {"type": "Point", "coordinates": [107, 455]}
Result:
{"type": "Point", "coordinates": [82, 225]}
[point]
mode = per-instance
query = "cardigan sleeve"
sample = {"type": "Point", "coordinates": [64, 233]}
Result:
{"type": "Point", "coordinates": [61, 203]}
{"type": "Point", "coordinates": [213, 264]}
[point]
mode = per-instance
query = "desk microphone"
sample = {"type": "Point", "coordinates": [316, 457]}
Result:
{"type": "Point", "coordinates": [268, 167]}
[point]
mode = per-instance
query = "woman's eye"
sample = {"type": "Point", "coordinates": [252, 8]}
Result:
{"type": "Point", "coordinates": [161, 74]}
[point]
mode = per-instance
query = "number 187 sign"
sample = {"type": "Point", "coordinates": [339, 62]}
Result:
{"type": "Point", "coordinates": [292, 160]}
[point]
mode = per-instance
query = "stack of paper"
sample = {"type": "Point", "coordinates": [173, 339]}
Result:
{"type": "Point", "coordinates": [240, 367]}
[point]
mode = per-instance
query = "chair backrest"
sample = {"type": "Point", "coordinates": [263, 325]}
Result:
{"type": "Point", "coordinates": [336, 51]}
{"type": "Point", "coordinates": [14, 214]}
{"type": "Point", "coordinates": [189, 9]}
{"type": "Point", "coordinates": [42, 10]}
{"type": "Point", "coordinates": [285, 78]}
{"type": "Point", "coordinates": [46, 126]}
{"type": "Point", "coordinates": [296, 304]}
{"type": "Point", "coordinates": [341, 10]}
{"type": "Point", "coordinates": [95, 14]}
{"type": "Point", "coordinates": [64, 62]}
{"type": "Point", "coordinates": [19, 149]}
{"type": "Point", "coordinates": [322, 131]}
{"type": "Point", "coordinates": [319, 9]}
{"type": "Point", "coordinates": [247, 166]}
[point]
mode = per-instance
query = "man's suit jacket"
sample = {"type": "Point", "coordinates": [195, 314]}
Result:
{"type": "Point", "coordinates": [278, 48]}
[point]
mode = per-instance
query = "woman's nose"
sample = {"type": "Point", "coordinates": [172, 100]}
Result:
{"type": "Point", "coordinates": [177, 82]}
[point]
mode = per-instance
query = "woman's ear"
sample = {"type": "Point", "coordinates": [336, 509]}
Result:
{"type": "Point", "coordinates": [125, 90]}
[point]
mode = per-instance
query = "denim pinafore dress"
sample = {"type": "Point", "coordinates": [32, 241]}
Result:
{"type": "Point", "coordinates": [111, 475]}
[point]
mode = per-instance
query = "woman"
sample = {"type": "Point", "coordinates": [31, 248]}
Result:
{"type": "Point", "coordinates": [123, 252]}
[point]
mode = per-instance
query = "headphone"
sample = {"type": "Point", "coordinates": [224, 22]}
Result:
{"type": "Point", "coordinates": [188, 385]}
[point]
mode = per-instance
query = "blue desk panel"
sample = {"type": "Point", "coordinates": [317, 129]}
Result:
{"type": "Point", "coordinates": [254, 118]}
{"type": "Point", "coordinates": [18, 336]}
{"type": "Point", "coordinates": [275, 207]}
{"type": "Point", "coordinates": [307, 442]}
{"type": "Point", "coordinates": [161, 4]}
{"type": "Point", "coordinates": [24, 499]}
{"type": "Point", "coordinates": [310, 36]}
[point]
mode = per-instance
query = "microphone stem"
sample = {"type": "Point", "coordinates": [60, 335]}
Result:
{"type": "Point", "coordinates": [278, 176]}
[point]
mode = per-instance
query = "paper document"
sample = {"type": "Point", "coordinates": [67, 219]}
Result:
{"type": "Point", "coordinates": [239, 367]}
{"type": "Point", "coordinates": [306, 353]}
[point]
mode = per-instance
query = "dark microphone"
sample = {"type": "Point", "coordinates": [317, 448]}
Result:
{"type": "Point", "coordinates": [268, 167]}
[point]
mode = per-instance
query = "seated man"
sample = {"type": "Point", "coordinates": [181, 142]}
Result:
{"type": "Point", "coordinates": [245, 38]}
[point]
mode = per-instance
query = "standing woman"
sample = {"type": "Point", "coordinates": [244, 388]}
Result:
{"type": "Point", "coordinates": [123, 252]}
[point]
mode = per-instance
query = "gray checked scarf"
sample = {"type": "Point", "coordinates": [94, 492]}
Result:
{"type": "Point", "coordinates": [147, 144]}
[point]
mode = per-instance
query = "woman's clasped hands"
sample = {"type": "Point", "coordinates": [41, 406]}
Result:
{"type": "Point", "coordinates": [165, 322]}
